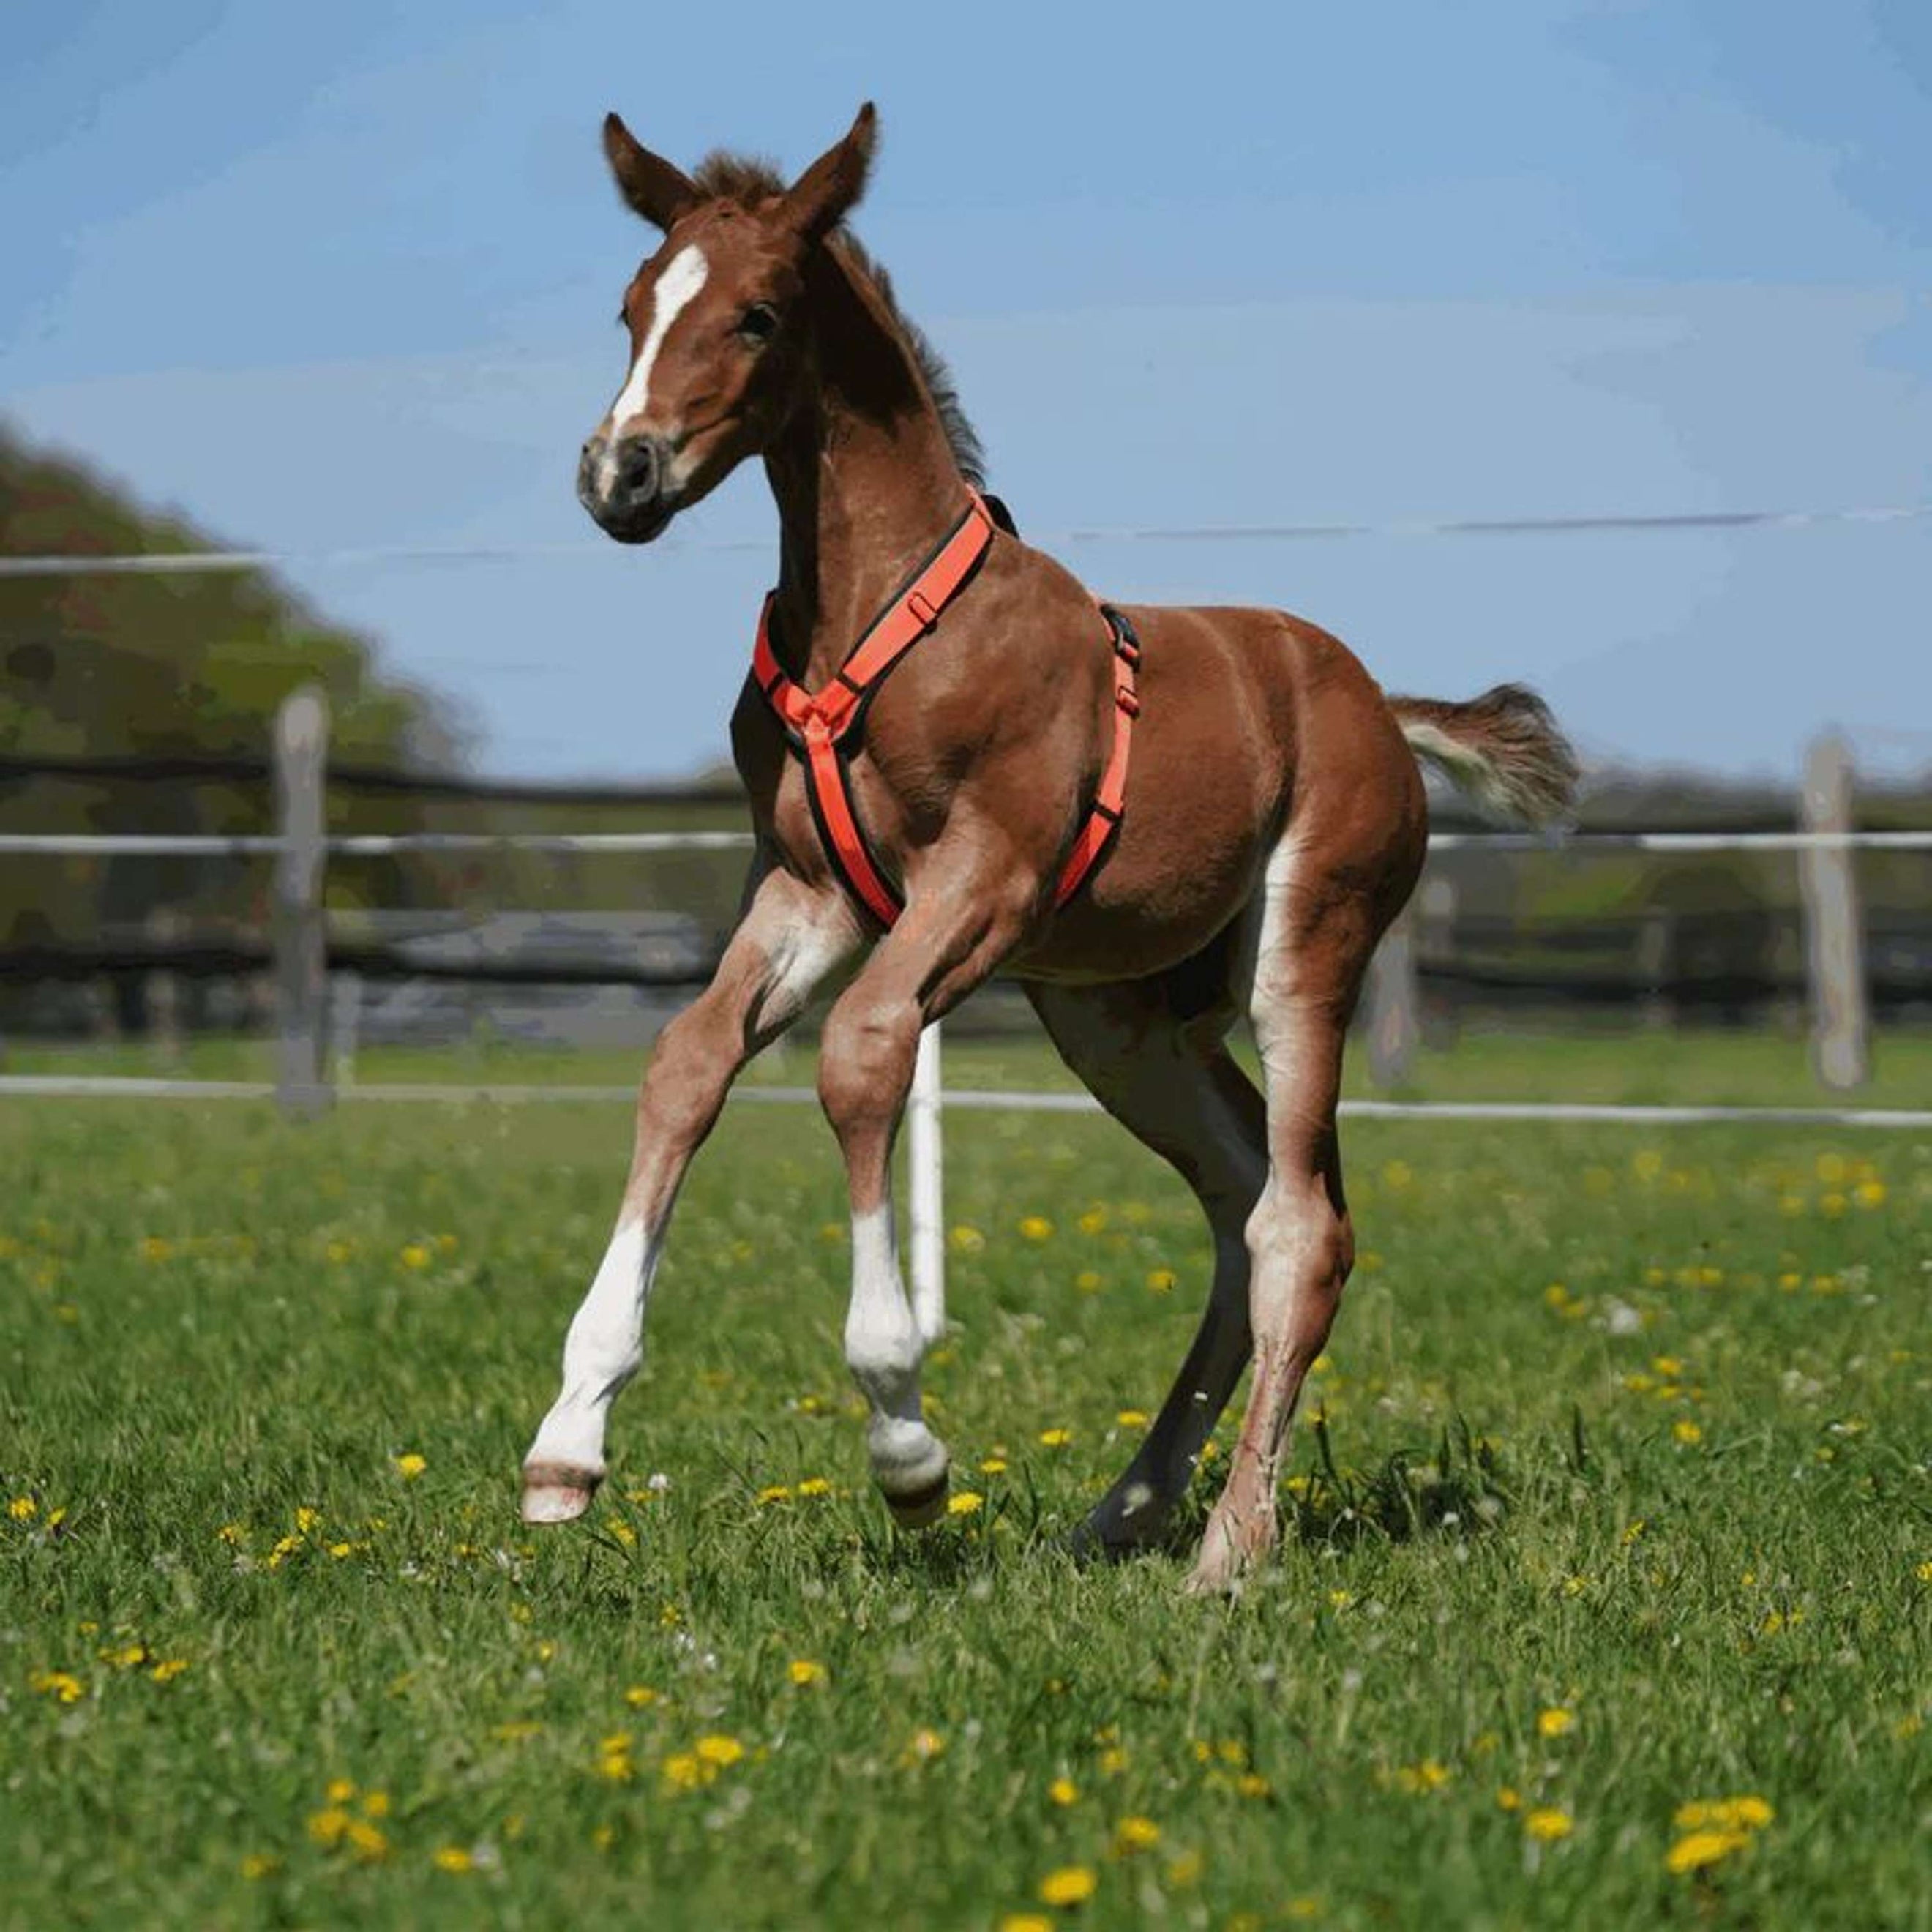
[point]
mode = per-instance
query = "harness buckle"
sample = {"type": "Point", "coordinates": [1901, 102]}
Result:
{"type": "Point", "coordinates": [1128, 700]}
{"type": "Point", "coordinates": [1126, 650]}
{"type": "Point", "coordinates": [922, 607]}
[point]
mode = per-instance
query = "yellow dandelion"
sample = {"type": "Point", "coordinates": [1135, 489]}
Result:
{"type": "Point", "coordinates": [1869, 1194]}
{"type": "Point", "coordinates": [992, 1465]}
{"type": "Point", "coordinates": [926, 1745]}
{"type": "Point", "coordinates": [452, 1858]}
{"type": "Point", "coordinates": [1687, 1432]}
{"type": "Point", "coordinates": [1055, 1439]}
{"type": "Point", "coordinates": [967, 1240]}
{"type": "Point", "coordinates": [416, 1254]}
{"type": "Point", "coordinates": [1750, 1814]}
{"type": "Point", "coordinates": [1036, 1228]}
{"type": "Point", "coordinates": [683, 1771]}
{"type": "Point", "coordinates": [1924, 1573]}
{"type": "Point", "coordinates": [1546, 1824]}
{"type": "Point", "coordinates": [326, 1827]}
{"type": "Point", "coordinates": [62, 1686]}
{"type": "Point", "coordinates": [23, 1509]}
{"type": "Point", "coordinates": [815, 1486]}
{"type": "Point", "coordinates": [1135, 1833]}
{"type": "Point", "coordinates": [1554, 1722]}
{"type": "Point", "coordinates": [1070, 1885]}
{"type": "Point", "coordinates": [168, 1669]}
{"type": "Point", "coordinates": [1131, 1418]}
{"type": "Point", "coordinates": [803, 1670]}
{"type": "Point", "coordinates": [1703, 1848]}
{"type": "Point", "coordinates": [411, 1466]}
{"type": "Point", "coordinates": [1509, 1797]}
{"type": "Point", "coordinates": [1161, 1281]}
{"type": "Point", "coordinates": [1093, 1221]}
{"type": "Point", "coordinates": [367, 1844]}
{"type": "Point", "coordinates": [1026, 1921]}
{"type": "Point", "coordinates": [718, 1750]}
{"type": "Point", "coordinates": [966, 1503]}
{"type": "Point", "coordinates": [773, 1492]}
{"type": "Point", "coordinates": [1251, 1784]}
{"type": "Point", "coordinates": [1087, 1281]}
{"type": "Point", "coordinates": [639, 1696]}
{"type": "Point", "coordinates": [1062, 1792]}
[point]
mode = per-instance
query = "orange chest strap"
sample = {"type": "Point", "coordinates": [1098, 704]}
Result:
{"type": "Point", "coordinates": [818, 723]}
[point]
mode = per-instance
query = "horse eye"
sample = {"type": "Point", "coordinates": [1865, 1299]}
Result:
{"type": "Point", "coordinates": [759, 323]}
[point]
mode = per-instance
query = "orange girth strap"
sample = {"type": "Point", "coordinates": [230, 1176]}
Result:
{"type": "Point", "coordinates": [818, 723]}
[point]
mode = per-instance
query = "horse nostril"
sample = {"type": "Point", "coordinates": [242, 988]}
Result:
{"type": "Point", "coordinates": [637, 466]}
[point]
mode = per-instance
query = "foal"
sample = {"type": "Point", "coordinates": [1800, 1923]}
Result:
{"type": "Point", "coordinates": [1274, 822]}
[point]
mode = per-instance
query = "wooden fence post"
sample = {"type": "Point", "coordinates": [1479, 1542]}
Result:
{"type": "Point", "coordinates": [300, 761]}
{"type": "Point", "coordinates": [1834, 939]}
{"type": "Point", "coordinates": [1394, 1003]}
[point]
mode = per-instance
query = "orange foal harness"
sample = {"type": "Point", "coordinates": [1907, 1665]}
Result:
{"type": "Point", "coordinates": [820, 726]}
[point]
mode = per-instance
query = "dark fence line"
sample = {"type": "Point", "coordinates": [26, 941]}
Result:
{"type": "Point", "coordinates": [234, 958]}
{"type": "Point", "coordinates": [165, 768]}
{"type": "Point", "coordinates": [191, 768]}
{"type": "Point", "coordinates": [202, 959]}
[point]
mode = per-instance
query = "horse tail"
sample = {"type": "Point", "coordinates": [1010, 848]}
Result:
{"type": "Point", "coordinates": [1503, 749]}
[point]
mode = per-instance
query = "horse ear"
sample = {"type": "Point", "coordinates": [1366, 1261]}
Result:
{"type": "Point", "coordinates": [820, 198]}
{"type": "Point", "coordinates": [652, 186]}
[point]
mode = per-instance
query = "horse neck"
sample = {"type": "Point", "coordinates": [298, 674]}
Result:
{"type": "Point", "coordinates": [864, 477]}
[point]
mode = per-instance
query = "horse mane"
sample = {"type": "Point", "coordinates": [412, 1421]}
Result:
{"type": "Point", "coordinates": [747, 180]}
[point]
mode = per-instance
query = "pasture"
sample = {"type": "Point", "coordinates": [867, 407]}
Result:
{"type": "Point", "coordinates": [1614, 1500]}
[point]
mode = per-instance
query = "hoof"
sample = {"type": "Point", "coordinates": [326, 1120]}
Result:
{"type": "Point", "coordinates": [553, 1493]}
{"type": "Point", "coordinates": [920, 1509]}
{"type": "Point", "coordinates": [1213, 1579]}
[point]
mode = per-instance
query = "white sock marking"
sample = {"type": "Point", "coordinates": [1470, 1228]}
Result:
{"type": "Point", "coordinates": [603, 1351]}
{"type": "Point", "coordinates": [883, 1350]}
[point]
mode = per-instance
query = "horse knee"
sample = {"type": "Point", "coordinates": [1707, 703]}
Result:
{"type": "Point", "coordinates": [865, 1057]}
{"type": "Point", "coordinates": [690, 1072]}
{"type": "Point", "coordinates": [1301, 1247]}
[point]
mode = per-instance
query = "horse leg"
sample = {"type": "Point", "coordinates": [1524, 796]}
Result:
{"type": "Point", "coordinates": [946, 943]}
{"type": "Point", "coordinates": [789, 939]}
{"type": "Point", "coordinates": [1313, 947]}
{"type": "Point", "coordinates": [1156, 1060]}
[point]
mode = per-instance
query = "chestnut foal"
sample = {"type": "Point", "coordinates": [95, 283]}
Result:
{"type": "Point", "coordinates": [1274, 823]}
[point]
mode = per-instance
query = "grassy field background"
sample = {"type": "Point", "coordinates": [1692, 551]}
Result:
{"type": "Point", "coordinates": [1620, 1503]}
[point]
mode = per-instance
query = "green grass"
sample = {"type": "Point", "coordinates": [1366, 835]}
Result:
{"type": "Point", "coordinates": [1686, 1499]}
{"type": "Point", "coordinates": [1731, 1067]}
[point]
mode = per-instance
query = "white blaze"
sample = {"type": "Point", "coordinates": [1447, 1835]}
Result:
{"type": "Point", "coordinates": [683, 276]}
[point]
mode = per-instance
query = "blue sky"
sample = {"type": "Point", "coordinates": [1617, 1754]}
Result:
{"type": "Point", "coordinates": [345, 278]}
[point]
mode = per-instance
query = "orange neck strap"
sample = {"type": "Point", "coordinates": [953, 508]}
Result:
{"type": "Point", "coordinates": [818, 723]}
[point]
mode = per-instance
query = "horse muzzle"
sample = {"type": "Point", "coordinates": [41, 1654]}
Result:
{"type": "Point", "coordinates": [622, 481]}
